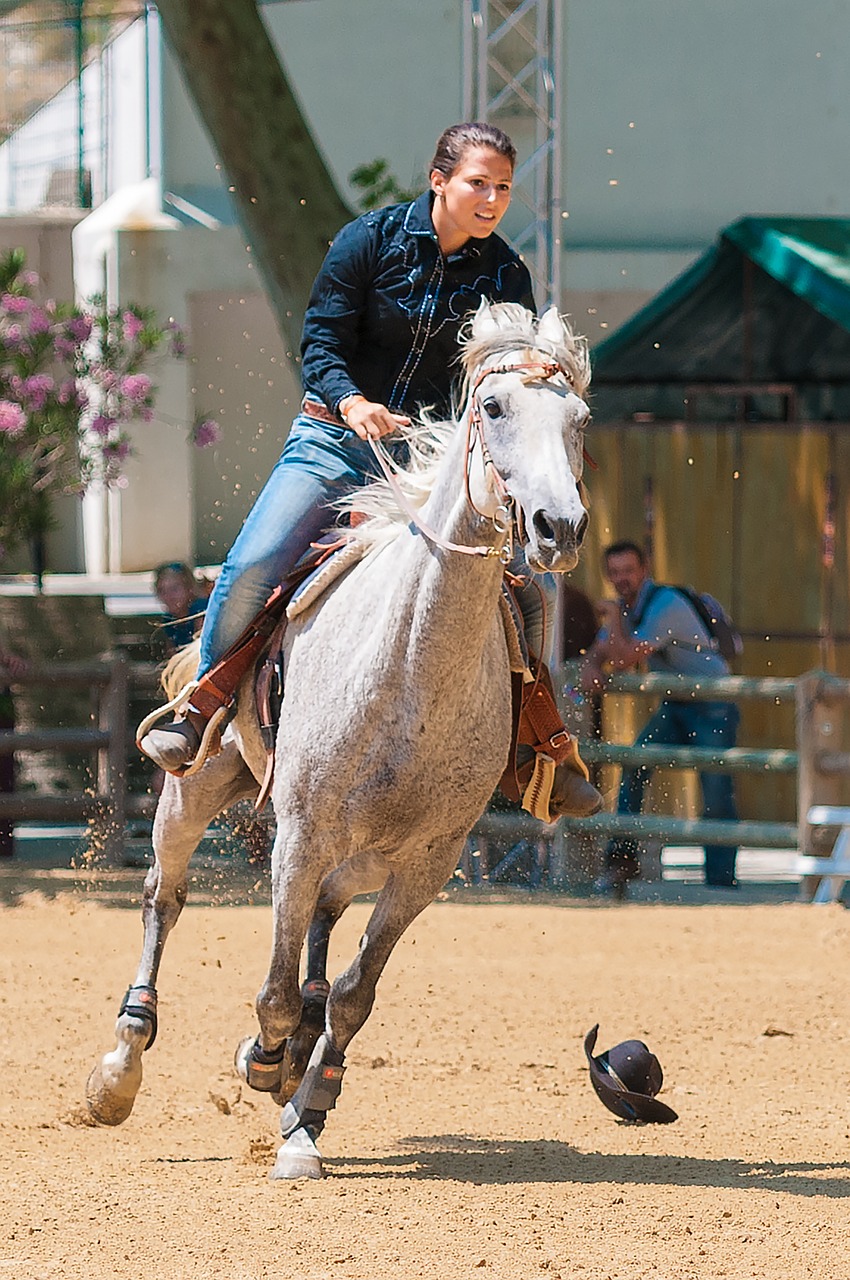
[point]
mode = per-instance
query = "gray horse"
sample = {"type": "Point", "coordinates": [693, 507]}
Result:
{"type": "Point", "coordinates": [395, 722]}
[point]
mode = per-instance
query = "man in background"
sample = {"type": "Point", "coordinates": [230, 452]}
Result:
{"type": "Point", "coordinates": [655, 624]}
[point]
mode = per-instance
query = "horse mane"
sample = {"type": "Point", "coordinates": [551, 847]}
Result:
{"type": "Point", "coordinates": [518, 330]}
{"type": "Point", "coordinates": [374, 509]}
{"type": "Point", "coordinates": [426, 440]}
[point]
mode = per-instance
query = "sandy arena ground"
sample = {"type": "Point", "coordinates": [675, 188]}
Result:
{"type": "Point", "coordinates": [468, 1140]}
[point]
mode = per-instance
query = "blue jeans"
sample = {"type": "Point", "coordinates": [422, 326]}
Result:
{"type": "Point", "coordinates": [320, 463]}
{"type": "Point", "coordinates": [692, 724]}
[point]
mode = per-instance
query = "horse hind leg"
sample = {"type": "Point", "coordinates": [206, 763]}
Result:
{"type": "Point", "coordinates": [403, 897]}
{"type": "Point", "coordinates": [185, 808]}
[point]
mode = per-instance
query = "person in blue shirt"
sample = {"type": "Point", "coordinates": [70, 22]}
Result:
{"type": "Point", "coordinates": [183, 603]}
{"type": "Point", "coordinates": [380, 341]}
{"type": "Point", "coordinates": [655, 624]}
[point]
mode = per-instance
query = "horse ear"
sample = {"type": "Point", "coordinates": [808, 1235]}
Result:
{"type": "Point", "coordinates": [484, 325]}
{"type": "Point", "coordinates": [550, 327]}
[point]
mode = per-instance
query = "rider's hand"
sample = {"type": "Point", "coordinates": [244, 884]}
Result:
{"type": "Point", "coordinates": [367, 418]}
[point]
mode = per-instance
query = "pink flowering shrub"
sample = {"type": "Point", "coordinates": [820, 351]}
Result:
{"type": "Point", "coordinates": [72, 381]}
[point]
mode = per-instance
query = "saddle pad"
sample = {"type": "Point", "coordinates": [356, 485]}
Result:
{"type": "Point", "coordinates": [326, 574]}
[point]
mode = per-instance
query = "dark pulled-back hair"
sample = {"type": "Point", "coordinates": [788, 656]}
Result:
{"type": "Point", "coordinates": [454, 142]}
{"type": "Point", "coordinates": [179, 569]}
{"type": "Point", "coordinates": [620, 548]}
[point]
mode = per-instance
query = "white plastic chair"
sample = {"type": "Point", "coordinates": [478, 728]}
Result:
{"type": "Point", "coordinates": [835, 870]}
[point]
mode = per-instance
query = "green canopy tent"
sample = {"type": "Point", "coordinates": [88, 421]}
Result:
{"type": "Point", "coordinates": [768, 305]}
{"type": "Point", "coordinates": [722, 427]}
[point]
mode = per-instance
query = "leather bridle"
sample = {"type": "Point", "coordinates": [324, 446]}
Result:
{"type": "Point", "coordinates": [505, 516]}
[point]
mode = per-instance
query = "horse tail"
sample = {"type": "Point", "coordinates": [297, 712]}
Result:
{"type": "Point", "coordinates": [180, 669]}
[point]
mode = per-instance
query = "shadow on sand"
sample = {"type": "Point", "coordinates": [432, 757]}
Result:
{"type": "Point", "coordinates": [490, 1163]}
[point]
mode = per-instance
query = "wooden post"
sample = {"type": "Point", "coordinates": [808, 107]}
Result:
{"type": "Point", "coordinates": [819, 699]}
{"type": "Point", "coordinates": [112, 763]}
{"type": "Point", "coordinates": [575, 859]}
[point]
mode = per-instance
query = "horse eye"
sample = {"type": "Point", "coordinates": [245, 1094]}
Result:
{"type": "Point", "coordinates": [492, 408]}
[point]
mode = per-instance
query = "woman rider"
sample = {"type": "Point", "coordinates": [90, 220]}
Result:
{"type": "Point", "coordinates": [380, 340]}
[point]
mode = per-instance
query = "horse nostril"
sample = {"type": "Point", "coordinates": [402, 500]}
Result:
{"type": "Point", "coordinates": [551, 532]}
{"type": "Point", "coordinates": [543, 527]}
{"type": "Point", "coordinates": [581, 529]}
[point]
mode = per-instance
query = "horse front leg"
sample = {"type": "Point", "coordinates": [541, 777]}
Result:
{"type": "Point", "coordinates": [265, 1062]}
{"type": "Point", "coordinates": [405, 894]}
{"type": "Point", "coordinates": [183, 813]}
{"type": "Point", "coordinates": [364, 873]}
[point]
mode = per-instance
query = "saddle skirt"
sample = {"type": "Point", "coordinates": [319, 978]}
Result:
{"type": "Point", "coordinates": [323, 576]}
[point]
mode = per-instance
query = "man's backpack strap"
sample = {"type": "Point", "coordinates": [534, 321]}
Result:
{"type": "Point", "coordinates": [638, 618]}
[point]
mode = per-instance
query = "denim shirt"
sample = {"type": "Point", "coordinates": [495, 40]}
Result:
{"type": "Point", "coordinates": [385, 309]}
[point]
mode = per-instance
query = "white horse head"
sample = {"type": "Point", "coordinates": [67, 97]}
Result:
{"type": "Point", "coordinates": [525, 383]}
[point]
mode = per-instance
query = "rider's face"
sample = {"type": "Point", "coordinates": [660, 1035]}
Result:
{"type": "Point", "coordinates": [472, 202]}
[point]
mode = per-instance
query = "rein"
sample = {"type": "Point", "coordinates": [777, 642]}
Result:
{"type": "Point", "coordinates": [504, 517]}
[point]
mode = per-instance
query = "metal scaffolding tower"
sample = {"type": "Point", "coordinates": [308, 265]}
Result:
{"type": "Point", "coordinates": [511, 61]}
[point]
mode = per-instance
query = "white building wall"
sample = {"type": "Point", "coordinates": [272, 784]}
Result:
{"type": "Point", "coordinates": [39, 163]}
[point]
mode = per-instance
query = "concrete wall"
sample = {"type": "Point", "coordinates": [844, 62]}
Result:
{"type": "Point", "coordinates": [177, 496]}
{"type": "Point", "coordinates": [381, 80]}
{"type": "Point", "coordinates": [242, 377]}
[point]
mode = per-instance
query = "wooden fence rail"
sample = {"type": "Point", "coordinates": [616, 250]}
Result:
{"type": "Point", "coordinates": [821, 771]}
{"type": "Point", "coordinates": [107, 803]}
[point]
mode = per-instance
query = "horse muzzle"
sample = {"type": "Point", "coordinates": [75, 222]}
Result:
{"type": "Point", "coordinates": [554, 543]}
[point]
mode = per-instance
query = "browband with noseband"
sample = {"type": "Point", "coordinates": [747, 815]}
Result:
{"type": "Point", "coordinates": [505, 516]}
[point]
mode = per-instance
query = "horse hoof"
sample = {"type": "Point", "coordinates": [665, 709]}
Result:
{"type": "Point", "coordinates": [103, 1105]}
{"type": "Point", "coordinates": [298, 1158]}
{"type": "Point", "coordinates": [241, 1056]}
{"type": "Point", "coordinates": [261, 1071]}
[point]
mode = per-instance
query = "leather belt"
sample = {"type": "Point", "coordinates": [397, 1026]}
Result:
{"type": "Point", "coordinates": [315, 409]}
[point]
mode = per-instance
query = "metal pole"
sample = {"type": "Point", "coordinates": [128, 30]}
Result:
{"type": "Point", "coordinates": [83, 195]}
